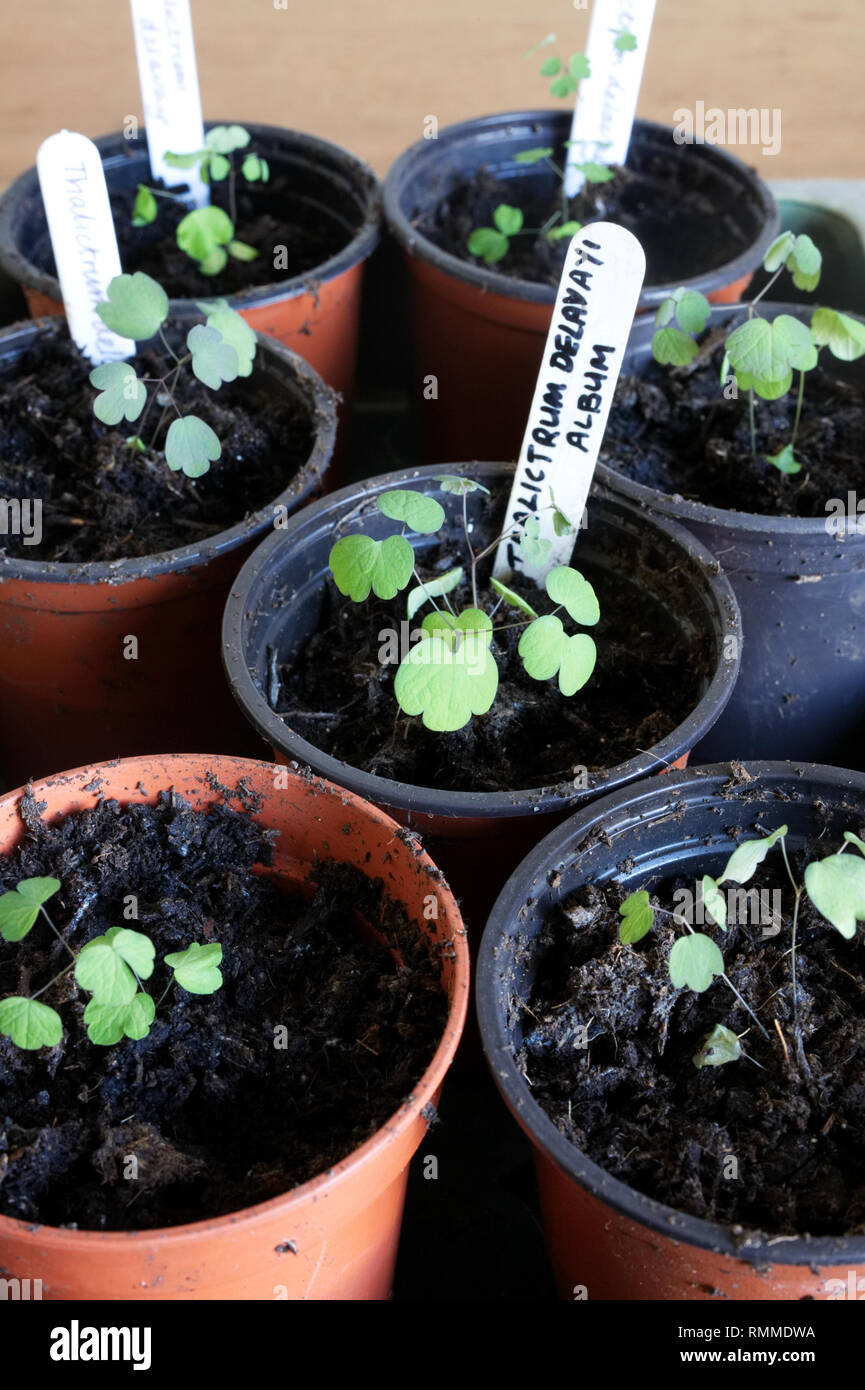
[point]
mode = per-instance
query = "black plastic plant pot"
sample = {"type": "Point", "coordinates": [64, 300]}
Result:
{"type": "Point", "coordinates": [326, 189]}
{"type": "Point", "coordinates": [276, 604]}
{"type": "Point", "coordinates": [800, 583]}
{"type": "Point", "coordinates": [605, 1239]}
{"type": "Point", "coordinates": [67, 694]}
{"type": "Point", "coordinates": [478, 332]}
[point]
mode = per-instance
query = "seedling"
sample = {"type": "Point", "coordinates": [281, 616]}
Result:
{"type": "Point", "coordinates": [207, 234]}
{"type": "Point", "coordinates": [451, 673]}
{"type": "Point", "coordinates": [219, 350]}
{"type": "Point", "coordinates": [109, 968]}
{"type": "Point", "coordinates": [492, 244]}
{"type": "Point", "coordinates": [763, 353]}
{"type": "Point", "coordinates": [835, 886]}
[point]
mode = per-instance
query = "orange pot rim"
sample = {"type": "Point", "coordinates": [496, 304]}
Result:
{"type": "Point", "coordinates": [276, 358]}
{"type": "Point", "coordinates": [677, 1226]}
{"type": "Point", "coordinates": [249, 1218]}
{"type": "Point", "coordinates": [115, 147]}
{"type": "Point", "coordinates": [484, 130]}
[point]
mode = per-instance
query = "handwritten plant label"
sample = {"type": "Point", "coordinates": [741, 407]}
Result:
{"type": "Point", "coordinates": [595, 307]}
{"type": "Point", "coordinates": [165, 49]}
{"type": "Point", "coordinates": [607, 99]}
{"type": "Point", "coordinates": [82, 236]}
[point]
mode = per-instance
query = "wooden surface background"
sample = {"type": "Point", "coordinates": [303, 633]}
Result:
{"type": "Point", "coordinates": [366, 72]}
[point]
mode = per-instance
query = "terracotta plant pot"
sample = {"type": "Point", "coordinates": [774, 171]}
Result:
{"type": "Point", "coordinates": [480, 333]}
{"type": "Point", "coordinates": [275, 604]}
{"type": "Point", "coordinates": [602, 1235]}
{"type": "Point", "coordinates": [316, 314]}
{"type": "Point", "coordinates": [344, 1225]}
{"type": "Point", "coordinates": [67, 695]}
{"type": "Point", "coordinates": [801, 588]}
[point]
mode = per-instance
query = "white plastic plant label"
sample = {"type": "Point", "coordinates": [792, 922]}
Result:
{"type": "Point", "coordinates": [82, 236]}
{"type": "Point", "coordinates": [165, 49]}
{"type": "Point", "coordinates": [594, 310]}
{"type": "Point", "coordinates": [607, 99]}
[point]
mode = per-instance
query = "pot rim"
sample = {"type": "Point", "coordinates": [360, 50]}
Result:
{"type": "Point", "coordinates": [492, 281]}
{"type": "Point", "coordinates": [322, 411]}
{"type": "Point", "coordinates": [366, 1154]}
{"type": "Point", "coordinates": [451, 805]}
{"type": "Point", "coordinates": [687, 510]}
{"type": "Point", "coordinates": [22, 270]}
{"type": "Point", "coordinates": [676, 1226]}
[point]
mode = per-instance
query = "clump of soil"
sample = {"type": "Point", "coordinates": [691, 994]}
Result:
{"type": "Point", "coordinates": [672, 429]}
{"type": "Point", "coordinates": [337, 691]}
{"type": "Point", "coordinates": [636, 1104]}
{"type": "Point", "coordinates": [100, 499]}
{"type": "Point", "coordinates": [291, 236]}
{"type": "Point", "coordinates": [315, 1038]}
{"type": "Point", "coordinates": [670, 205]}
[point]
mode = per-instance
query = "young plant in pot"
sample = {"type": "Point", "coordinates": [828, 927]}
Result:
{"type": "Point", "coordinates": [483, 217]}
{"type": "Point", "coordinates": [371, 640]}
{"type": "Point", "coordinates": [291, 222]}
{"type": "Point", "coordinates": [748, 425]}
{"type": "Point", "coordinates": [670, 998]}
{"type": "Point", "coordinates": [229, 998]}
{"type": "Point", "coordinates": [136, 488]}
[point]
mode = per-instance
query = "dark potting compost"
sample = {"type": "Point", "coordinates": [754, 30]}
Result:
{"type": "Point", "coordinates": [337, 691]}
{"type": "Point", "coordinates": [271, 218]}
{"type": "Point", "coordinates": [101, 500]}
{"type": "Point", "coordinates": [672, 429]}
{"type": "Point", "coordinates": [634, 1101]}
{"type": "Point", "coordinates": [217, 1115]}
{"type": "Point", "coordinates": [664, 202]}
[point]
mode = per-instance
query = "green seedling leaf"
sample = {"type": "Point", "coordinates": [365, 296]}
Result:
{"type": "Point", "coordinates": [453, 483]}
{"type": "Point", "coordinates": [836, 887]}
{"type": "Point", "coordinates": [30, 1024]}
{"type": "Point", "coordinates": [805, 263]}
{"type": "Point", "coordinates": [203, 232]}
{"type": "Point", "coordinates": [108, 1023]}
{"type": "Point", "coordinates": [541, 151]}
{"type": "Point", "coordinates": [779, 251]}
{"type": "Point", "coordinates": [578, 66]}
{"type": "Point", "coordinates": [136, 306]}
{"type": "Point", "coordinates": [432, 588]}
{"type": "Point", "coordinates": [746, 857]}
{"type": "Point", "coordinates": [625, 42]}
{"type": "Point", "coordinates": [197, 968]}
{"type": "Point", "coordinates": [416, 510]}
{"type": "Point", "coordinates": [563, 86]}
{"type": "Point", "coordinates": [448, 677]}
{"type": "Point", "coordinates": [508, 220]}
{"type": "Point", "coordinates": [567, 587]}
{"type": "Point", "coordinates": [637, 916]}
{"type": "Point", "coordinates": [666, 312]}
{"type": "Point", "coordinates": [843, 335]}
{"type": "Point", "coordinates": [692, 310]}
{"type": "Point", "coordinates": [764, 354]}
{"type": "Point", "coordinates": [214, 262]}
{"type": "Point", "coordinates": [225, 139]}
{"type": "Point", "coordinates": [241, 251]}
{"type": "Point", "coordinates": [714, 902]}
{"type": "Point", "coordinates": [19, 908]}
{"type": "Point", "coordinates": [848, 836]}
{"type": "Point", "coordinates": [784, 460]}
{"type": "Point", "coordinates": [213, 359]}
{"type": "Point", "coordinates": [672, 347]}
{"type": "Point", "coordinates": [718, 1047]}
{"type": "Point", "coordinates": [253, 168]}
{"type": "Point", "coordinates": [562, 524]}
{"type": "Point", "coordinates": [191, 446]}
{"type": "Point", "coordinates": [106, 964]}
{"type": "Point", "coordinates": [184, 161]}
{"type": "Point", "coordinates": [144, 208]}
{"type": "Point", "coordinates": [488, 244]}
{"type": "Point", "coordinates": [359, 563]}
{"type": "Point", "coordinates": [564, 229]}
{"type": "Point", "coordinates": [135, 443]}
{"type": "Point", "coordinates": [533, 547]}
{"type": "Point", "coordinates": [547, 650]}
{"type": "Point", "coordinates": [595, 173]}
{"type": "Point", "coordinates": [122, 394]}
{"type": "Point", "coordinates": [549, 67]}
{"type": "Point", "coordinates": [513, 599]}
{"type": "Point", "coordinates": [235, 331]}
{"type": "Point", "coordinates": [695, 960]}
{"type": "Point", "coordinates": [470, 620]}
{"type": "Point", "coordinates": [218, 168]}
